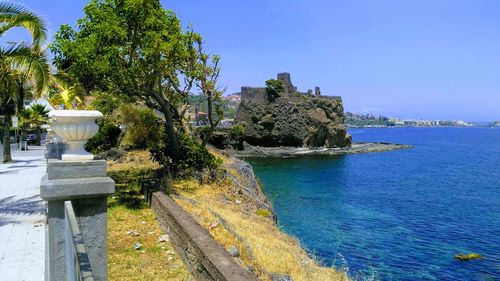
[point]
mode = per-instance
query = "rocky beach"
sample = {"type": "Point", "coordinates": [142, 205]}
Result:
{"type": "Point", "coordinates": [284, 151]}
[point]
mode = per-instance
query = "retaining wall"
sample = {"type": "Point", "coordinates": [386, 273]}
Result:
{"type": "Point", "coordinates": [202, 255]}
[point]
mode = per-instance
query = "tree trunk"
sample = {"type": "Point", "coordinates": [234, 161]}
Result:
{"type": "Point", "coordinates": [38, 136]}
{"type": "Point", "coordinates": [211, 123]}
{"type": "Point", "coordinates": [171, 135]}
{"type": "Point", "coordinates": [6, 139]}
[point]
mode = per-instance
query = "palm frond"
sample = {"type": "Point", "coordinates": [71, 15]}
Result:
{"type": "Point", "coordinates": [33, 62]}
{"type": "Point", "coordinates": [15, 15]}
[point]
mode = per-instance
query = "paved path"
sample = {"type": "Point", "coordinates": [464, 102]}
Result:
{"type": "Point", "coordinates": [22, 217]}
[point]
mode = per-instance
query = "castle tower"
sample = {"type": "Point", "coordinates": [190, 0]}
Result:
{"type": "Point", "coordinates": [287, 82]}
{"type": "Point", "coordinates": [317, 91]}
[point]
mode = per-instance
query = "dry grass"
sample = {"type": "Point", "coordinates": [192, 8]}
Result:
{"type": "Point", "coordinates": [154, 261]}
{"type": "Point", "coordinates": [135, 159]}
{"type": "Point", "coordinates": [232, 221]}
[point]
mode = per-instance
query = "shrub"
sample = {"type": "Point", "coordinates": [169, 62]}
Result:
{"type": "Point", "coordinates": [105, 139]}
{"type": "Point", "coordinates": [142, 128]}
{"type": "Point", "coordinates": [274, 88]}
{"type": "Point", "coordinates": [193, 155]}
{"type": "Point", "coordinates": [133, 183]}
{"type": "Point", "coordinates": [115, 154]}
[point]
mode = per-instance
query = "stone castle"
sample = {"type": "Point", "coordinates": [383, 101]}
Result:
{"type": "Point", "coordinates": [259, 94]}
{"type": "Point", "coordinates": [292, 118]}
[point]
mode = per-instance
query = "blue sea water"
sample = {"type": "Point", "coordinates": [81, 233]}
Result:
{"type": "Point", "coordinates": [398, 215]}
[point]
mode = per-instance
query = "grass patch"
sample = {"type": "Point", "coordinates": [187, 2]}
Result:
{"type": "Point", "coordinates": [127, 212]}
{"type": "Point", "coordinates": [154, 261]}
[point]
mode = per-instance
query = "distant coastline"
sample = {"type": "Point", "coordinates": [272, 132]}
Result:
{"type": "Point", "coordinates": [351, 126]}
{"type": "Point", "coordinates": [358, 120]}
{"type": "Point", "coordinates": [285, 151]}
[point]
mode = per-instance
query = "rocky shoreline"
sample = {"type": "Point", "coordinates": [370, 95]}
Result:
{"type": "Point", "coordinates": [282, 151]}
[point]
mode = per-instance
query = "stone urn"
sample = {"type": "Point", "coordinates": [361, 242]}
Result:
{"type": "Point", "coordinates": [76, 127]}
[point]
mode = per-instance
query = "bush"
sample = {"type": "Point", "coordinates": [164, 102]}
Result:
{"type": "Point", "coordinates": [224, 138]}
{"type": "Point", "coordinates": [105, 139]}
{"type": "Point", "coordinates": [274, 88]}
{"type": "Point", "coordinates": [132, 184]}
{"type": "Point", "coordinates": [115, 154]}
{"type": "Point", "coordinates": [193, 155]}
{"type": "Point", "coordinates": [142, 126]}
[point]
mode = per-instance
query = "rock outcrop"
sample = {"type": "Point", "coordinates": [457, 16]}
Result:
{"type": "Point", "coordinates": [292, 119]}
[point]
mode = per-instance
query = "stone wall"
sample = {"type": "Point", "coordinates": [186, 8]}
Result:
{"type": "Point", "coordinates": [254, 94]}
{"type": "Point", "coordinates": [205, 258]}
{"type": "Point", "coordinates": [292, 119]}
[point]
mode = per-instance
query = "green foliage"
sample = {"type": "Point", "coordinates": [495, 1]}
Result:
{"type": "Point", "coordinates": [237, 131]}
{"type": "Point", "coordinates": [105, 103]}
{"type": "Point", "coordinates": [263, 213]}
{"type": "Point", "coordinates": [198, 101]}
{"type": "Point", "coordinates": [34, 116]}
{"type": "Point", "coordinates": [105, 139]}
{"type": "Point", "coordinates": [142, 128]}
{"type": "Point", "coordinates": [274, 88]}
{"type": "Point", "coordinates": [193, 155]}
{"type": "Point", "coordinates": [139, 52]}
{"type": "Point", "coordinates": [132, 183]}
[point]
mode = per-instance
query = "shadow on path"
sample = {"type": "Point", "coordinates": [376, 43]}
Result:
{"type": "Point", "coordinates": [9, 207]}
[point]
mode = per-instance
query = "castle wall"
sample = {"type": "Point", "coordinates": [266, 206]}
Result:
{"type": "Point", "coordinates": [254, 94]}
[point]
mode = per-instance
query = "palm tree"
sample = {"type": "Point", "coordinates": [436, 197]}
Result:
{"type": "Point", "coordinates": [34, 117]}
{"type": "Point", "coordinates": [23, 61]}
{"type": "Point", "coordinates": [39, 115]}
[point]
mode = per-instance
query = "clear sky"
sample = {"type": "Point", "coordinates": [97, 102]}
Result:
{"type": "Point", "coordinates": [421, 59]}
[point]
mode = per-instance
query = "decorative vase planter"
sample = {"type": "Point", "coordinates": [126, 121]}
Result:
{"type": "Point", "coordinates": [76, 127]}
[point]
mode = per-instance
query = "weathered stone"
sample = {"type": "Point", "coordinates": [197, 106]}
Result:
{"type": "Point", "coordinates": [204, 257]}
{"type": "Point", "coordinates": [233, 251]}
{"type": "Point", "coordinates": [466, 257]}
{"type": "Point", "coordinates": [67, 189]}
{"type": "Point", "coordinates": [164, 238]}
{"type": "Point", "coordinates": [133, 233]}
{"type": "Point", "coordinates": [279, 277]}
{"type": "Point", "coordinates": [317, 91]}
{"type": "Point", "coordinates": [293, 119]}
{"type": "Point", "coordinates": [93, 221]}
{"type": "Point", "coordinates": [56, 249]}
{"type": "Point", "coordinates": [287, 82]}
{"type": "Point", "coordinates": [86, 185]}
{"type": "Point", "coordinates": [72, 170]}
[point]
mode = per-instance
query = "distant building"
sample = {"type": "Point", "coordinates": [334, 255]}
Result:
{"type": "Point", "coordinates": [226, 122]}
{"type": "Point", "coordinates": [196, 117]}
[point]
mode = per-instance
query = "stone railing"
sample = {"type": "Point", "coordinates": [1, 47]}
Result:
{"type": "Point", "coordinates": [77, 192]}
{"type": "Point", "coordinates": [78, 260]}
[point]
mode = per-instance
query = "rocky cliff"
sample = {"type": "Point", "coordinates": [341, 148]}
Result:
{"type": "Point", "coordinates": [292, 119]}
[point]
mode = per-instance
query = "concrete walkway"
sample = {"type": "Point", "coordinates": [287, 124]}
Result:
{"type": "Point", "coordinates": [22, 217]}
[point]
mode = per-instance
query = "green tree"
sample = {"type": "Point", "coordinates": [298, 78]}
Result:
{"type": "Point", "coordinates": [274, 88]}
{"type": "Point", "coordinates": [39, 116]}
{"type": "Point", "coordinates": [209, 72]}
{"type": "Point", "coordinates": [21, 64]}
{"type": "Point", "coordinates": [141, 124]}
{"type": "Point", "coordinates": [134, 49]}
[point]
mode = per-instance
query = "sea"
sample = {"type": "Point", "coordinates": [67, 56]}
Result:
{"type": "Point", "coordinates": [396, 215]}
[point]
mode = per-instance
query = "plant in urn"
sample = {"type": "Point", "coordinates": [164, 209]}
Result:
{"type": "Point", "coordinates": [76, 127]}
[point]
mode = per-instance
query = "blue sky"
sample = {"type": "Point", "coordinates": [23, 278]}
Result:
{"type": "Point", "coordinates": [410, 59]}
